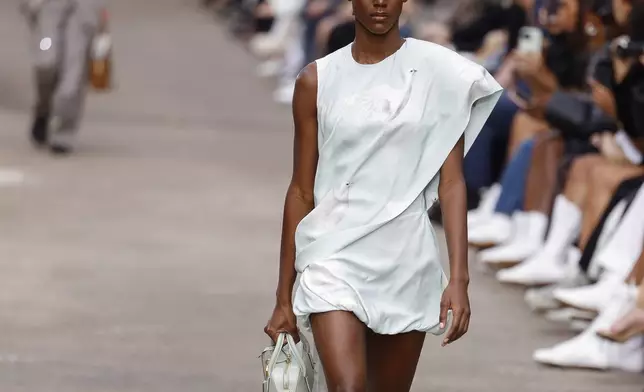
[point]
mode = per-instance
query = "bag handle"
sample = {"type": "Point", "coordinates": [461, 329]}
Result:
{"type": "Point", "coordinates": [287, 338]}
{"type": "Point", "coordinates": [279, 344]}
{"type": "Point", "coordinates": [295, 353]}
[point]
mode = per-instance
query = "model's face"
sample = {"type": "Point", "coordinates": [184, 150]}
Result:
{"type": "Point", "coordinates": [621, 10]}
{"type": "Point", "coordinates": [377, 16]}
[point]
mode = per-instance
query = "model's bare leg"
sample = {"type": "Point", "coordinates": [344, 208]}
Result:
{"type": "Point", "coordinates": [392, 361]}
{"type": "Point", "coordinates": [340, 339]}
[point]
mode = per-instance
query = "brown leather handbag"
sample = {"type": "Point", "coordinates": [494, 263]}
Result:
{"type": "Point", "coordinates": [100, 63]}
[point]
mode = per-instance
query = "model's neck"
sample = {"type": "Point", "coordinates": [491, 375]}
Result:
{"type": "Point", "coordinates": [369, 48]}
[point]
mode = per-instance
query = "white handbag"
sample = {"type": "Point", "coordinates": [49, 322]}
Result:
{"type": "Point", "coordinates": [287, 366]}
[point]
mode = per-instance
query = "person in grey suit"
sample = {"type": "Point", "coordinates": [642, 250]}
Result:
{"type": "Point", "coordinates": [62, 32]}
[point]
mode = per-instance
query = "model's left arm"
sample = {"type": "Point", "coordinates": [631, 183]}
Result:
{"type": "Point", "coordinates": [473, 94]}
{"type": "Point", "coordinates": [453, 202]}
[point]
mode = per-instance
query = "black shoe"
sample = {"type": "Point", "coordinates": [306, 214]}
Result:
{"type": "Point", "coordinates": [60, 149]}
{"type": "Point", "coordinates": [40, 131]}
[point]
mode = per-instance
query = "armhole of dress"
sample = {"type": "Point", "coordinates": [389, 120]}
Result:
{"type": "Point", "coordinates": [320, 66]}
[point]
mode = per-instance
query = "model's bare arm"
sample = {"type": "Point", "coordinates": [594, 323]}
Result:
{"type": "Point", "coordinates": [453, 201]}
{"type": "Point", "coordinates": [299, 197]}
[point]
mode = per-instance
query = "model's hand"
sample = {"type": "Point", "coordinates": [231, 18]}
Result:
{"type": "Point", "coordinates": [282, 320]}
{"type": "Point", "coordinates": [456, 299]}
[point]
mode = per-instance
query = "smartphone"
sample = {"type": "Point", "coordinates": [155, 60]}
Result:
{"type": "Point", "coordinates": [530, 40]}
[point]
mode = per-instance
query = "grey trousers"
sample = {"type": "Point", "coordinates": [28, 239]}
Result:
{"type": "Point", "coordinates": [61, 38]}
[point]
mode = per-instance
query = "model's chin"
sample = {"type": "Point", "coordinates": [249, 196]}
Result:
{"type": "Point", "coordinates": [379, 28]}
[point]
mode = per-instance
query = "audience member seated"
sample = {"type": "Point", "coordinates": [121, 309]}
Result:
{"type": "Point", "coordinates": [534, 76]}
{"type": "Point", "coordinates": [606, 169]}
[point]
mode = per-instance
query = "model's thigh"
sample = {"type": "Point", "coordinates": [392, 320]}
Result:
{"type": "Point", "coordinates": [340, 339]}
{"type": "Point", "coordinates": [392, 360]}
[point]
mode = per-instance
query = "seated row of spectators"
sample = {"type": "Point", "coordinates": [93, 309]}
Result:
{"type": "Point", "coordinates": [559, 167]}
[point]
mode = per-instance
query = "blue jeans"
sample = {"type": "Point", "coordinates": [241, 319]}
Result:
{"type": "Point", "coordinates": [484, 162]}
{"type": "Point", "coordinates": [513, 181]}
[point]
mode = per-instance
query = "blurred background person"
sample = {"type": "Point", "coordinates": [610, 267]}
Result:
{"type": "Point", "coordinates": [62, 32]}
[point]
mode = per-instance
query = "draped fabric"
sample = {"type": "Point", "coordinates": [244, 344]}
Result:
{"type": "Point", "coordinates": [384, 132]}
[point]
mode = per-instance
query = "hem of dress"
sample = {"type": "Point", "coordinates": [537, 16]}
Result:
{"type": "Point", "coordinates": [305, 322]}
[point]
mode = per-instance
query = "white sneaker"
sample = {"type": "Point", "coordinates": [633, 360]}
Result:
{"type": "Point", "coordinates": [284, 93]}
{"type": "Point", "coordinates": [541, 299]}
{"type": "Point", "coordinates": [565, 226]}
{"type": "Point", "coordinates": [569, 315]}
{"type": "Point", "coordinates": [542, 269]}
{"type": "Point", "coordinates": [577, 325]}
{"type": "Point", "coordinates": [623, 300]}
{"type": "Point", "coordinates": [588, 351]}
{"type": "Point", "coordinates": [269, 68]}
{"type": "Point", "coordinates": [494, 231]}
{"type": "Point", "coordinates": [486, 207]}
{"type": "Point", "coordinates": [592, 297]}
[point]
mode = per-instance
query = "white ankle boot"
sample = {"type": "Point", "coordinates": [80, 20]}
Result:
{"type": "Point", "coordinates": [542, 269]}
{"type": "Point", "coordinates": [566, 221]}
{"type": "Point", "coordinates": [620, 253]}
{"type": "Point", "coordinates": [541, 299]}
{"type": "Point", "coordinates": [486, 207]}
{"type": "Point", "coordinates": [529, 229]}
{"type": "Point", "coordinates": [495, 230]}
{"type": "Point", "coordinates": [592, 297]}
{"type": "Point", "coordinates": [569, 315]}
{"type": "Point", "coordinates": [564, 228]}
{"type": "Point", "coordinates": [610, 227]}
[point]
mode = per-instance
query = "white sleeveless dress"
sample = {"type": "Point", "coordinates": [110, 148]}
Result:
{"type": "Point", "coordinates": [384, 131]}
